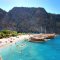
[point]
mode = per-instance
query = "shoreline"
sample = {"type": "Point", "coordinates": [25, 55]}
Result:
{"type": "Point", "coordinates": [12, 40]}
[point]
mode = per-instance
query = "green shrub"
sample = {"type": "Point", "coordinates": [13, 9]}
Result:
{"type": "Point", "coordinates": [23, 33]}
{"type": "Point", "coordinates": [14, 33]}
{"type": "Point", "coordinates": [7, 33]}
{"type": "Point", "coordinates": [1, 35]}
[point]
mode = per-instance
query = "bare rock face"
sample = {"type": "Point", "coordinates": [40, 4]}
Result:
{"type": "Point", "coordinates": [2, 15]}
{"type": "Point", "coordinates": [23, 19]}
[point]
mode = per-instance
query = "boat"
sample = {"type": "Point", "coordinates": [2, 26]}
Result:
{"type": "Point", "coordinates": [36, 39]}
{"type": "Point", "coordinates": [41, 37]}
{"type": "Point", "coordinates": [50, 36]}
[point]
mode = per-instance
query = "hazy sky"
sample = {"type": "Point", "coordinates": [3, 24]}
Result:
{"type": "Point", "coordinates": [52, 6]}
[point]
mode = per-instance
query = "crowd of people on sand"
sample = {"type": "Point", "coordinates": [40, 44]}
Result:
{"type": "Point", "coordinates": [10, 40]}
{"type": "Point", "coordinates": [7, 41]}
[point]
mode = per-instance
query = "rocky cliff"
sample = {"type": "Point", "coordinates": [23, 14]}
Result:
{"type": "Point", "coordinates": [23, 19]}
{"type": "Point", "coordinates": [2, 15]}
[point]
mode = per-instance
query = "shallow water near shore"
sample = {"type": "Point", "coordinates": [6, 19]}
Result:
{"type": "Point", "coordinates": [25, 50]}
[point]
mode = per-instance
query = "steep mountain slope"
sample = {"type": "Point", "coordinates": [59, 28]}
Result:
{"type": "Point", "coordinates": [2, 15]}
{"type": "Point", "coordinates": [25, 19]}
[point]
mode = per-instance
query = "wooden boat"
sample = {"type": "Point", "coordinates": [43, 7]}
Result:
{"type": "Point", "coordinates": [41, 37]}
{"type": "Point", "coordinates": [50, 36]}
{"type": "Point", "coordinates": [36, 39]}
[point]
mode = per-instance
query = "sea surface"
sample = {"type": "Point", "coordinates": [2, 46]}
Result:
{"type": "Point", "coordinates": [49, 50]}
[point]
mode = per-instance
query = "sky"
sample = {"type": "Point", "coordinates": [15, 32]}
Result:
{"type": "Point", "coordinates": [51, 6]}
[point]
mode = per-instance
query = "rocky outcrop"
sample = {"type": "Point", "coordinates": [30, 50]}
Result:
{"type": "Point", "coordinates": [23, 19]}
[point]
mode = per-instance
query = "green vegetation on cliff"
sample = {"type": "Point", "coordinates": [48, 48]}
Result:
{"type": "Point", "coordinates": [7, 33]}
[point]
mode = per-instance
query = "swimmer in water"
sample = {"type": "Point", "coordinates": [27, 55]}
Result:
{"type": "Point", "coordinates": [0, 58]}
{"type": "Point", "coordinates": [20, 45]}
{"type": "Point", "coordinates": [23, 45]}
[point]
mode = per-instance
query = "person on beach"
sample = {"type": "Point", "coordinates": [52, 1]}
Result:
{"type": "Point", "coordinates": [11, 41]}
{"type": "Point", "coordinates": [0, 58]}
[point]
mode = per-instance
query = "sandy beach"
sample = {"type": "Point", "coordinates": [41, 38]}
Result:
{"type": "Point", "coordinates": [11, 40]}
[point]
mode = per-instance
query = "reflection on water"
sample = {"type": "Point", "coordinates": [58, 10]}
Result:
{"type": "Point", "coordinates": [25, 50]}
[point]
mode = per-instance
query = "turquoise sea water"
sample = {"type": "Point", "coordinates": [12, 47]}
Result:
{"type": "Point", "coordinates": [25, 50]}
